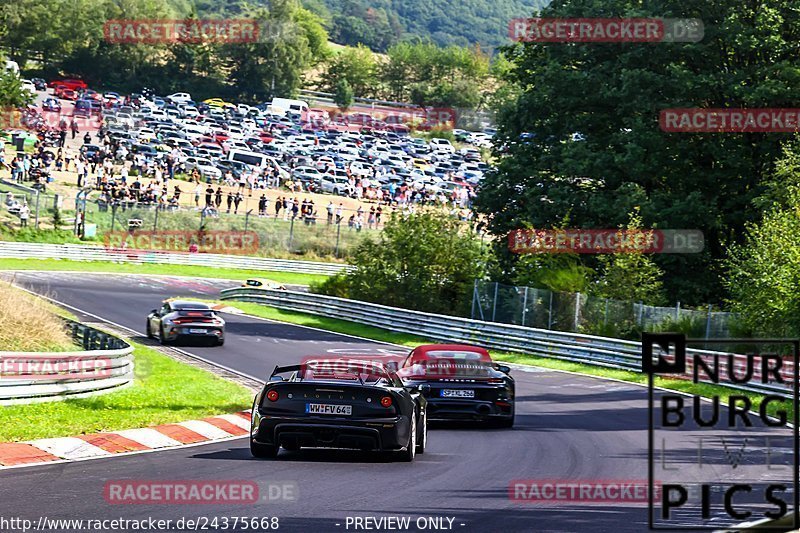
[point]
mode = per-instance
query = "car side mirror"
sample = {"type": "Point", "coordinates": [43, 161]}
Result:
{"type": "Point", "coordinates": [155, 312]}
{"type": "Point", "coordinates": [504, 369]}
{"type": "Point", "coordinates": [424, 388]}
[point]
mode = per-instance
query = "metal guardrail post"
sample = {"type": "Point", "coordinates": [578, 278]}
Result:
{"type": "Point", "coordinates": [524, 306]}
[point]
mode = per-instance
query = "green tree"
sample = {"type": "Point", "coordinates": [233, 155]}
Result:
{"type": "Point", "coordinates": [612, 94]}
{"type": "Point", "coordinates": [630, 276]}
{"type": "Point", "coordinates": [358, 66]}
{"type": "Point", "coordinates": [11, 92]}
{"type": "Point", "coordinates": [292, 39]}
{"type": "Point", "coordinates": [343, 96]}
{"type": "Point", "coordinates": [426, 261]}
{"type": "Point", "coordinates": [763, 273]}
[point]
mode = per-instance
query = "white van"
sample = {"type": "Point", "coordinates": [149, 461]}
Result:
{"type": "Point", "coordinates": [285, 105]}
{"type": "Point", "coordinates": [261, 161]}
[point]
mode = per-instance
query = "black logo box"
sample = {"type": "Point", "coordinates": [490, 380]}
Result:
{"type": "Point", "coordinates": [678, 366]}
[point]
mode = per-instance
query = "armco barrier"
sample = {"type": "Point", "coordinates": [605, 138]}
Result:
{"type": "Point", "coordinates": [589, 349]}
{"type": "Point", "coordinates": [77, 252]}
{"type": "Point", "coordinates": [105, 364]}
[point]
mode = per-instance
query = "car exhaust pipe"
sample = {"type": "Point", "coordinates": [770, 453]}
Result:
{"type": "Point", "coordinates": [484, 410]}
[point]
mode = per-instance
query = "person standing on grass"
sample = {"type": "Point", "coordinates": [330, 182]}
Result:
{"type": "Point", "coordinates": [236, 201]}
{"type": "Point", "coordinates": [329, 209]}
{"type": "Point", "coordinates": [218, 197]}
{"type": "Point", "coordinates": [288, 206]}
{"type": "Point", "coordinates": [278, 206]}
{"type": "Point", "coordinates": [229, 201]}
{"type": "Point", "coordinates": [24, 214]}
{"type": "Point", "coordinates": [209, 195]}
{"type": "Point", "coordinates": [197, 190]}
{"type": "Point", "coordinates": [262, 206]}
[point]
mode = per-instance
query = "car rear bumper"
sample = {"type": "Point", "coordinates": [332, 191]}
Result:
{"type": "Point", "coordinates": [461, 409]}
{"type": "Point", "coordinates": [373, 434]}
{"type": "Point", "coordinates": [183, 333]}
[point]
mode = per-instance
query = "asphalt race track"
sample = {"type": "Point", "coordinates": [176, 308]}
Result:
{"type": "Point", "coordinates": [568, 427]}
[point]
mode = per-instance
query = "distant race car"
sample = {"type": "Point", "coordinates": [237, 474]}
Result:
{"type": "Point", "coordinates": [177, 319]}
{"type": "Point", "coordinates": [338, 403]}
{"type": "Point", "coordinates": [461, 382]}
{"type": "Point", "coordinates": [261, 283]}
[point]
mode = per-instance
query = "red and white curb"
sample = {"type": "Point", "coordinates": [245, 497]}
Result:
{"type": "Point", "coordinates": [97, 445]}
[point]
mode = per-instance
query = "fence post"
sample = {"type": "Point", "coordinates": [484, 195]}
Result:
{"type": "Point", "coordinates": [36, 224]}
{"type": "Point", "coordinates": [291, 234]}
{"type": "Point", "coordinates": [524, 306]}
{"type": "Point", "coordinates": [708, 322]}
{"type": "Point", "coordinates": [577, 310]}
{"type": "Point", "coordinates": [338, 232]}
{"type": "Point", "coordinates": [605, 314]}
{"type": "Point", "coordinates": [640, 318]}
{"type": "Point", "coordinates": [247, 219]}
{"type": "Point", "coordinates": [677, 311]}
{"type": "Point", "coordinates": [474, 295]}
{"type": "Point", "coordinates": [155, 220]}
{"type": "Point", "coordinates": [494, 305]}
{"type": "Point", "coordinates": [550, 313]}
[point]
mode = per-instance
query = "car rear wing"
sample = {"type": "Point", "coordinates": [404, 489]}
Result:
{"type": "Point", "coordinates": [355, 366]}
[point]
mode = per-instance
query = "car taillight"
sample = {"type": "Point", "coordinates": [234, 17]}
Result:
{"type": "Point", "coordinates": [272, 395]}
{"type": "Point", "coordinates": [386, 401]}
{"type": "Point", "coordinates": [495, 380]}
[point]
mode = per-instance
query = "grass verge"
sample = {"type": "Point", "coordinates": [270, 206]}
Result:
{"type": "Point", "coordinates": [167, 270]}
{"type": "Point", "coordinates": [164, 391]}
{"type": "Point", "coordinates": [21, 314]}
{"type": "Point", "coordinates": [404, 339]}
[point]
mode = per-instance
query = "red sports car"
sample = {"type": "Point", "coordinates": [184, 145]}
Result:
{"type": "Point", "coordinates": [461, 382]}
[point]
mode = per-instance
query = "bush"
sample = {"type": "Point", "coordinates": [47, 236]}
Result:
{"type": "Point", "coordinates": [426, 261]}
{"type": "Point", "coordinates": [337, 286]}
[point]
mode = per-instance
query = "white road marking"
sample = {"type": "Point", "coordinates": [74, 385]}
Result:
{"type": "Point", "coordinates": [69, 448]}
{"type": "Point", "coordinates": [149, 437]}
{"type": "Point", "coordinates": [236, 420]}
{"type": "Point", "coordinates": [205, 429]}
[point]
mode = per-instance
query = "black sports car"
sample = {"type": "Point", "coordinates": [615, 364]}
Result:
{"type": "Point", "coordinates": [180, 320]}
{"type": "Point", "coordinates": [461, 382]}
{"type": "Point", "coordinates": [338, 403]}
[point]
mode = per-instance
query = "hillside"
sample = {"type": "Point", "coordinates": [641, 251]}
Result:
{"type": "Point", "coordinates": [380, 23]}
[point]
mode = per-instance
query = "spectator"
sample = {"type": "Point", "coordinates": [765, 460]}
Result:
{"type": "Point", "coordinates": [278, 206]}
{"type": "Point", "coordinates": [262, 205]}
{"type": "Point", "coordinates": [209, 195]}
{"type": "Point", "coordinates": [236, 201]}
{"type": "Point", "coordinates": [218, 197]}
{"type": "Point", "coordinates": [229, 201]}
{"type": "Point", "coordinates": [330, 212]}
{"type": "Point", "coordinates": [24, 214]}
